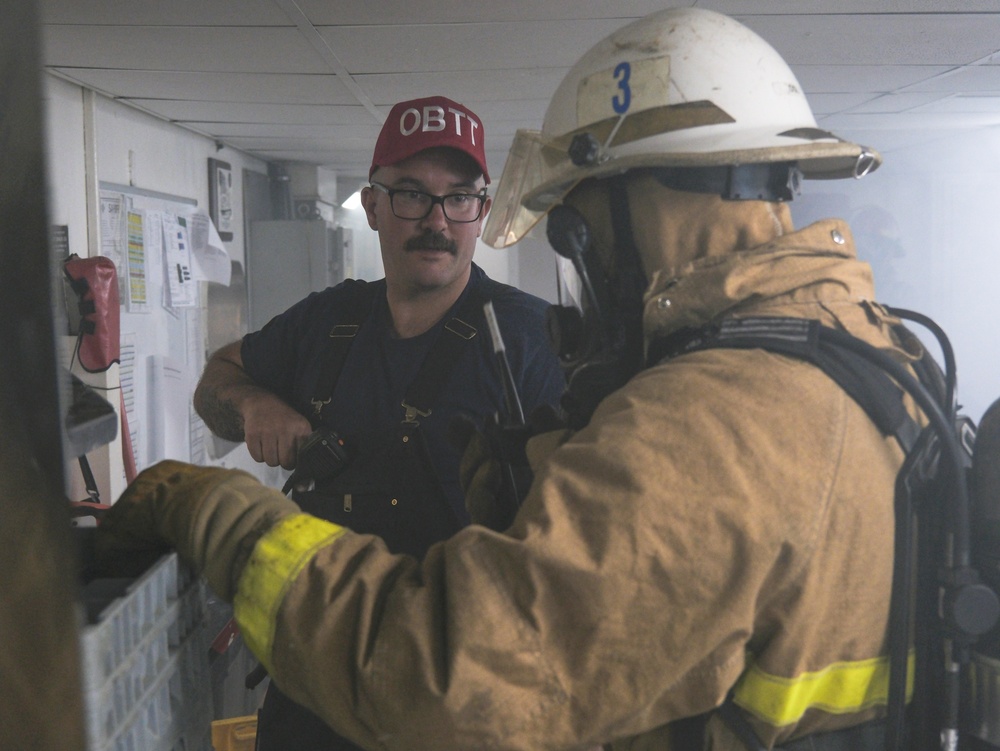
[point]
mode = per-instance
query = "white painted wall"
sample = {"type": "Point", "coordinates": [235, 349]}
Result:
{"type": "Point", "coordinates": [367, 258]}
{"type": "Point", "coordinates": [64, 136]}
{"type": "Point", "coordinates": [164, 158]}
{"type": "Point", "coordinates": [135, 149]}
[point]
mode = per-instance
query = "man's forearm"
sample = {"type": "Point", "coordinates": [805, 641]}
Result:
{"type": "Point", "coordinates": [216, 398]}
{"type": "Point", "coordinates": [221, 417]}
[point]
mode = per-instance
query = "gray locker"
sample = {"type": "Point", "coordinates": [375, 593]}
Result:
{"type": "Point", "coordinates": [288, 259]}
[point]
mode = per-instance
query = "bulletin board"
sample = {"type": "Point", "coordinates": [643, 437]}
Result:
{"type": "Point", "coordinates": [165, 248]}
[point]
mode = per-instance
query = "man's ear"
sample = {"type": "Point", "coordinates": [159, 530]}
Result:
{"type": "Point", "coordinates": [482, 217]}
{"type": "Point", "coordinates": [368, 199]}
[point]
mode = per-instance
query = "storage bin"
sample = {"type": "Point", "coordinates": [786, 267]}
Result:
{"type": "Point", "coordinates": [144, 656]}
{"type": "Point", "coordinates": [235, 734]}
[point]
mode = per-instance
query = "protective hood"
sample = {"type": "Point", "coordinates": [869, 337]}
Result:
{"type": "Point", "coordinates": [811, 273]}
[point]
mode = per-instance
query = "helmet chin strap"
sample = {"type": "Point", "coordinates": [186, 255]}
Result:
{"type": "Point", "coordinates": [632, 282]}
{"type": "Point", "coordinates": [629, 282]}
{"type": "Point", "coordinates": [604, 349]}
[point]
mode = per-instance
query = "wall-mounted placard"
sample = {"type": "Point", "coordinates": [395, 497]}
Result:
{"type": "Point", "coordinates": [220, 197]}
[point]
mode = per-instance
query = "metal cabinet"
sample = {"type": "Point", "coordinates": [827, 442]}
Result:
{"type": "Point", "coordinates": [288, 259]}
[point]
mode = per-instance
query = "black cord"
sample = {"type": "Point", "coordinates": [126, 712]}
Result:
{"type": "Point", "coordinates": [941, 424]}
{"type": "Point", "coordinates": [76, 358]}
{"type": "Point", "coordinates": [951, 378]}
{"type": "Point", "coordinates": [960, 557]}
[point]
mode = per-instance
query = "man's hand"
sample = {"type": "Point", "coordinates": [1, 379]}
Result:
{"type": "Point", "coordinates": [273, 431]}
{"type": "Point", "coordinates": [212, 516]}
{"type": "Point", "coordinates": [234, 407]}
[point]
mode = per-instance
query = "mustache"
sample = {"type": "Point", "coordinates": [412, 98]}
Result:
{"type": "Point", "coordinates": [431, 241]}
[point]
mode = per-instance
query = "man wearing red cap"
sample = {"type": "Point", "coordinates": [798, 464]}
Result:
{"type": "Point", "coordinates": [386, 365]}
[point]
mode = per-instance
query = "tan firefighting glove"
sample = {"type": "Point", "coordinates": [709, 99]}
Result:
{"type": "Point", "coordinates": [480, 474]}
{"type": "Point", "coordinates": [494, 471]}
{"type": "Point", "coordinates": [211, 516]}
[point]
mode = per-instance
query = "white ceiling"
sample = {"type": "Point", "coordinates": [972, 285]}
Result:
{"type": "Point", "coordinates": [312, 80]}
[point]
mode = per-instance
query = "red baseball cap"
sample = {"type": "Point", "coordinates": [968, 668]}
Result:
{"type": "Point", "coordinates": [420, 124]}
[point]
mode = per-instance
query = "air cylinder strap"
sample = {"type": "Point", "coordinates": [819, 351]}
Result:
{"type": "Point", "coordinates": [808, 340]}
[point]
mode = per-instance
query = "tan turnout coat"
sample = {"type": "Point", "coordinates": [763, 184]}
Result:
{"type": "Point", "coordinates": [725, 514]}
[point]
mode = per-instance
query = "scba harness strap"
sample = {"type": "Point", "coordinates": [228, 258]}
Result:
{"type": "Point", "coordinates": [930, 484]}
{"type": "Point", "coordinates": [808, 340]}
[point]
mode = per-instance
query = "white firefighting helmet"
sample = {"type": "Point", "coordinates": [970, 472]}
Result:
{"type": "Point", "coordinates": [681, 87]}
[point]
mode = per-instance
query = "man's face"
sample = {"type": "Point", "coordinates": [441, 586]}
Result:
{"type": "Point", "coordinates": [431, 253]}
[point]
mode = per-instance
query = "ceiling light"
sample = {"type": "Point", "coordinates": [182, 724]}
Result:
{"type": "Point", "coordinates": [353, 201]}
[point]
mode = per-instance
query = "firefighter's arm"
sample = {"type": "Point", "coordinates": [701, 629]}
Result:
{"type": "Point", "coordinates": [213, 517]}
{"type": "Point", "coordinates": [252, 544]}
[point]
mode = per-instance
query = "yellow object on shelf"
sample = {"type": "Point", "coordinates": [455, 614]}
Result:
{"type": "Point", "coordinates": [235, 733]}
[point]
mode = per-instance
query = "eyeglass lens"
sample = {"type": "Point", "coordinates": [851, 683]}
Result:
{"type": "Point", "coordinates": [415, 204]}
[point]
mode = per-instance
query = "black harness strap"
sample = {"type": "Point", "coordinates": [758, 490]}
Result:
{"type": "Point", "coordinates": [444, 353]}
{"type": "Point", "coordinates": [423, 392]}
{"type": "Point", "coordinates": [867, 737]}
{"type": "Point", "coordinates": [360, 297]}
{"type": "Point", "coordinates": [808, 340]}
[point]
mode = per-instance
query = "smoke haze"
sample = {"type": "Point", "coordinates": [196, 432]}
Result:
{"type": "Point", "coordinates": [928, 222]}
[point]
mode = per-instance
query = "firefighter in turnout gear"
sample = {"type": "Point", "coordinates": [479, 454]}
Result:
{"type": "Point", "coordinates": [705, 556]}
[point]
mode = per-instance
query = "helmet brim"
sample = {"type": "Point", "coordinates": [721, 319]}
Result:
{"type": "Point", "coordinates": [536, 177]}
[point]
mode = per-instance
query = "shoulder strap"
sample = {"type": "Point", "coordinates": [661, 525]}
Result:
{"type": "Point", "coordinates": [444, 353]}
{"type": "Point", "coordinates": [359, 298]}
{"type": "Point", "coordinates": [809, 340]}
{"type": "Point", "coordinates": [433, 374]}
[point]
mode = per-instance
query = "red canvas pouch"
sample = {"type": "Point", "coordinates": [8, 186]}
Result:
{"type": "Point", "coordinates": [95, 282]}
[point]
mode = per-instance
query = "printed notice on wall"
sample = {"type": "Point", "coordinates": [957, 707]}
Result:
{"type": "Point", "coordinates": [126, 374]}
{"type": "Point", "coordinates": [169, 421]}
{"type": "Point", "coordinates": [208, 255]}
{"type": "Point", "coordinates": [181, 289]}
{"type": "Point", "coordinates": [113, 228]}
{"type": "Point", "coordinates": [137, 299]}
{"type": "Point", "coordinates": [194, 335]}
{"type": "Point", "coordinates": [59, 240]}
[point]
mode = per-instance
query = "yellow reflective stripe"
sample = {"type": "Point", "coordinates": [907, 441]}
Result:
{"type": "Point", "coordinates": [841, 688]}
{"type": "Point", "coordinates": [276, 561]}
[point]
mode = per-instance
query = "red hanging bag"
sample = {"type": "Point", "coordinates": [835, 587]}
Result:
{"type": "Point", "coordinates": [95, 282]}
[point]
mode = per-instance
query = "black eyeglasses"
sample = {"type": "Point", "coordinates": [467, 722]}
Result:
{"type": "Point", "coordinates": [408, 203]}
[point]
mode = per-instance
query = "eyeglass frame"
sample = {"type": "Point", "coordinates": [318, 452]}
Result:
{"type": "Point", "coordinates": [481, 195]}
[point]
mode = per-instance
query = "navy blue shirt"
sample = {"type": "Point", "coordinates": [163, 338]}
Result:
{"type": "Point", "coordinates": [286, 355]}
